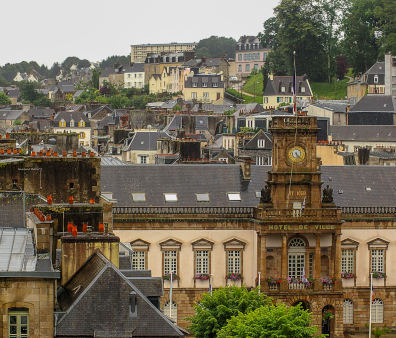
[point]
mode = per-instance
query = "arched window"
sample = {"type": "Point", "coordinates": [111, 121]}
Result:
{"type": "Point", "coordinates": [296, 258]}
{"type": "Point", "coordinates": [71, 123]}
{"type": "Point", "coordinates": [81, 123]}
{"type": "Point", "coordinates": [348, 311]}
{"type": "Point", "coordinates": [377, 311]}
{"type": "Point", "coordinates": [171, 314]}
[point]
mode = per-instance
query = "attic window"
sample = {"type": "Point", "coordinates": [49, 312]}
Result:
{"type": "Point", "coordinates": [340, 191]}
{"type": "Point", "coordinates": [368, 188]}
{"type": "Point", "coordinates": [375, 78]}
{"type": "Point", "coordinates": [302, 89]}
{"type": "Point", "coordinates": [234, 196]}
{"type": "Point", "coordinates": [170, 197]}
{"type": "Point", "coordinates": [202, 197]}
{"type": "Point", "coordinates": [283, 89]}
{"type": "Point", "coordinates": [261, 143]}
{"type": "Point", "coordinates": [139, 196]}
{"type": "Point", "coordinates": [258, 194]}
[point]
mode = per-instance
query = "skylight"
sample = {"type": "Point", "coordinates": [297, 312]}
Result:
{"type": "Point", "coordinates": [139, 196]}
{"type": "Point", "coordinates": [202, 197]}
{"type": "Point", "coordinates": [170, 197]}
{"type": "Point", "coordinates": [234, 196]}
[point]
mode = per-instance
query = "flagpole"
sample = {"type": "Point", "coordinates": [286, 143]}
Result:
{"type": "Point", "coordinates": [371, 301]}
{"type": "Point", "coordinates": [259, 281]}
{"type": "Point", "coordinates": [170, 295]}
{"type": "Point", "coordinates": [294, 83]}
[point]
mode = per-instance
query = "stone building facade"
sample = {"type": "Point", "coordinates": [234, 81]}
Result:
{"type": "Point", "coordinates": [281, 222]}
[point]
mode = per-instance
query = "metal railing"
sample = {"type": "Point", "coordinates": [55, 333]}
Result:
{"type": "Point", "coordinates": [246, 211]}
{"type": "Point", "coordinates": [368, 210]}
{"type": "Point", "coordinates": [306, 213]}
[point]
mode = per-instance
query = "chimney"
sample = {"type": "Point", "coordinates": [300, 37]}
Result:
{"type": "Point", "coordinates": [245, 163]}
{"type": "Point", "coordinates": [77, 249]}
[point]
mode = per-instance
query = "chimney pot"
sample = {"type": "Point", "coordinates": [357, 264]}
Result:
{"type": "Point", "coordinates": [49, 199]}
{"type": "Point", "coordinates": [101, 227]}
{"type": "Point", "coordinates": [74, 231]}
{"type": "Point", "coordinates": [69, 227]}
{"type": "Point", "coordinates": [71, 200]}
{"type": "Point", "coordinates": [85, 227]}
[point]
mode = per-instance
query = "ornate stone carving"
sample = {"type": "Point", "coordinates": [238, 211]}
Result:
{"type": "Point", "coordinates": [327, 195]}
{"type": "Point", "coordinates": [265, 195]}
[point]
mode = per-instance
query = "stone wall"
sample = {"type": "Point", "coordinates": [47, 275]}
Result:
{"type": "Point", "coordinates": [37, 295]}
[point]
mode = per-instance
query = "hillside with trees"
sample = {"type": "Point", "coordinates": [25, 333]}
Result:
{"type": "Point", "coordinates": [323, 32]}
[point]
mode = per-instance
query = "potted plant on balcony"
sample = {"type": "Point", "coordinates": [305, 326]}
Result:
{"type": "Point", "coordinates": [379, 274]}
{"type": "Point", "coordinates": [234, 276]}
{"type": "Point", "coordinates": [328, 280]}
{"type": "Point", "coordinates": [167, 276]}
{"type": "Point", "coordinates": [273, 281]}
{"type": "Point", "coordinates": [202, 276]}
{"type": "Point", "coordinates": [348, 275]}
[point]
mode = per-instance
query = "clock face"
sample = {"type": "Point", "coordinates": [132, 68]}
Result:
{"type": "Point", "coordinates": [296, 154]}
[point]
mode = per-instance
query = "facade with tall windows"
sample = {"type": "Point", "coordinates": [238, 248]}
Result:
{"type": "Point", "coordinates": [305, 233]}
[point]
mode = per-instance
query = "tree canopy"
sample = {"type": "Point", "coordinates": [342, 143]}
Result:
{"type": "Point", "coordinates": [213, 311]}
{"type": "Point", "coordinates": [216, 46]}
{"type": "Point", "coordinates": [274, 321]}
{"type": "Point", "coordinates": [4, 99]}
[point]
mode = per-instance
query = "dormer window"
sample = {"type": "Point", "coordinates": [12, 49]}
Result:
{"type": "Point", "coordinates": [261, 143]}
{"type": "Point", "coordinates": [170, 197]}
{"type": "Point", "coordinates": [302, 89]}
{"type": "Point", "coordinates": [81, 123]}
{"type": "Point", "coordinates": [204, 84]}
{"type": "Point", "coordinates": [375, 78]}
{"type": "Point", "coordinates": [62, 123]}
{"type": "Point", "coordinates": [215, 85]}
{"type": "Point", "coordinates": [283, 89]}
{"type": "Point", "coordinates": [195, 85]}
{"type": "Point", "coordinates": [71, 123]}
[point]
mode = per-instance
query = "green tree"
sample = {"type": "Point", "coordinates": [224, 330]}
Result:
{"type": "Point", "coordinates": [269, 37]}
{"type": "Point", "coordinates": [213, 311]}
{"type": "Point", "coordinates": [385, 11]}
{"type": "Point", "coordinates": [216, 46]}
{"type": "Point", "coordinates": [111, 60]}
{"type": "Point", "coordinates": [28, 91]}
{"type": "Point", "coordinates": [274, 321]}
{"type": "Point", "coordinates": [4, 99]}
{"type": "Point", "coordinates": [95, 78]}
{"type": "Point", "coordinates": [361, 43]}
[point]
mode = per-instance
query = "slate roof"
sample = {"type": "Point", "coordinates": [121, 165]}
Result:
{"type": "Point", "coordinates": [199, 79]}
{"type": "Point", "coordinates": [41, 112]}
{"type": "Point", "coordinates": [77, 116]}
{"type": "Point", "coordinates": [107, 160]}
{"type": "Point", "coordinates": [11, 206]}
{"type": "Point", "coordinates": [377, 68]}
{"type": "Point", "coordinates": [218, 179]}
{"type": "Point", "coordinates": [135, 68]}
{"type": "Point", "coordinates": [99, 285]}
{"type": "Point", "coordinates": [201, 122]}
{"type": "Point", "coordinates": [364, 133]}
{"type": "Point", "coordinates": [10, 114]}
{"type": "Point", "coordinates": [374, 103]}
{"type": "Point", "coordinates": [274, 86]}
{"type": "Point", "coordinates": [143, 140]}
{"type": "Point", "coordinates": [253, 143]}
{"type": "Point", "coordinates": [13, 93]}
{"type": "Point", "coordinates": [335, 106]}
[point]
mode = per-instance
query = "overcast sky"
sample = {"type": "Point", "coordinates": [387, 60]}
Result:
{"type": "Point", "coordinates": [47, 31]}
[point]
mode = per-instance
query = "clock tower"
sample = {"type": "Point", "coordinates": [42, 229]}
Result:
{"type": "Point", "coordinates": [295, 176]}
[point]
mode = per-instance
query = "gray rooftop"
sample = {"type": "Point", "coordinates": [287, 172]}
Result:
{"type": "Point", "coordinates": [374, 103]}
{"type": "Point", "coordinates": [220, 179]}
{"type": "Point", "coordinates": [364, 133]}
{"type": "Point", "coordinates": [143, 140]}
{"type": "Point", "coordinates": [9, 114]}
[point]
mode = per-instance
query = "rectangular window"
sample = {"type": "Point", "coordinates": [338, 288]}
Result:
{"type": "Point", "coordinates": [239, 57]}
{"type": "Point", "coordinates": [239, 68]}
{"type": "Point", "coordinates": [170, 197]}
{"type": "Point", "coordinates": [138, 196]}
{"type": "Point", "coordinates": [296, 265]}
{"type": "Point", "coordinates": [255, 66]}
{"type": "Point", "coordinates": [234, 261]}
{"type": "Point", "coordinates": [201, 261]}
{"type": "Point", "coordinates": [247, 67]}
{"type": "Point", "coordinates": [377, 260]}
{"type": "Point", "coordinates": [202, 197]}
{"type": "Point", "coordinates": [348, 260]}
{"type": "Point", "coordinates": [18, 324]}
{"type": "Point", "coordinates": [193, 95]}
{"type": "Point", "coordinates": [204, 84]}
{"type": "Point", "coordinates": [142, 159]}
{"type": "Point", "coordinates": [260, 160]}
{"type": "Point", "coordinates": [206, 95]}
{"type": "Point", "coordinates": [170, 262]}
{"type": "Point", "coordinates": [195, 85]}
{"type": "Point", "coordinates": [234, 196]}
{"type": "Point", "coordinates": [310, 265]}
{"type": "Point", "coordinates": [138, 260]}
{"type": "Point", "coordinates": [261, 143]}
{"type": "Point", "coordinates": [215, 84]}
